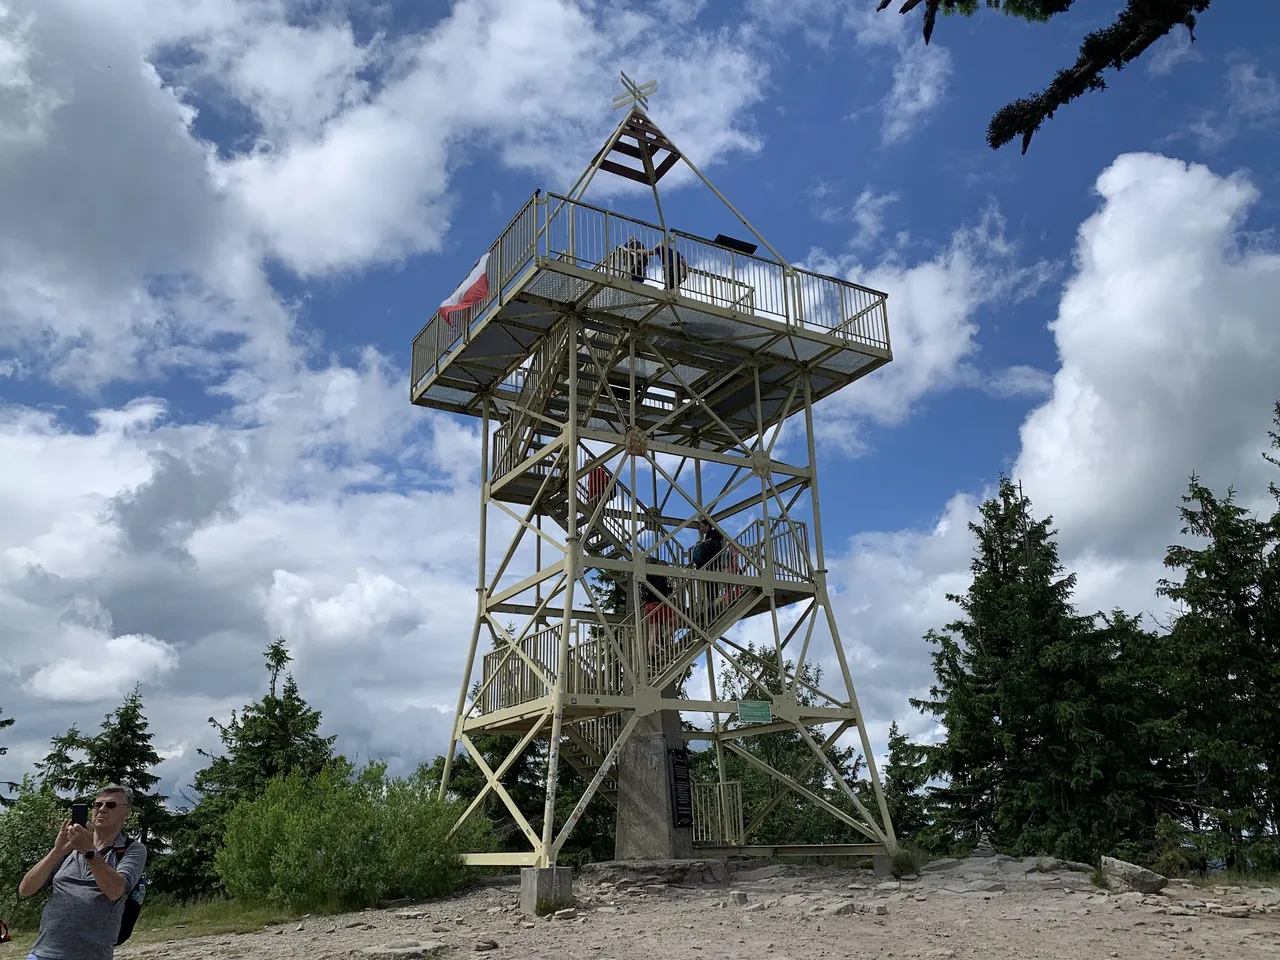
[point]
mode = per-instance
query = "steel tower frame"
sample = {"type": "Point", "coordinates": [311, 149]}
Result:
{"type": "Point", "coordinates": [627, 411]}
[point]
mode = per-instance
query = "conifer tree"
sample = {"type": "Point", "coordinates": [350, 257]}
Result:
{"type": "Point", "coordinates": [905, 776]}
{"type": "Point", "coordinates": [269, 738]}
{"type": "Point", "coordinates": [121, 752]}
{"type": "Point", "coordinates": [1223, 671]}
{"type": "Point", "coordinates": [1033, 700]}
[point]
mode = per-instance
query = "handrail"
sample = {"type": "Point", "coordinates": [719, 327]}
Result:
{"type": "Point", "coordinates": [592, 237]}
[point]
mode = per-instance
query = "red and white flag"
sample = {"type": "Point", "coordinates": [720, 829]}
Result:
{"type": "Point", "coordinates": [471, 291]}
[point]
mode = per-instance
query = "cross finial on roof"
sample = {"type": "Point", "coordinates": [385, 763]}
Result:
{"type": "Point", "coordinates": [637, 94]}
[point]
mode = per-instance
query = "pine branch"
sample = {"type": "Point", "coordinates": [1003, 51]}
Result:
{"type": "Point", "coordinates": [1137, 27]}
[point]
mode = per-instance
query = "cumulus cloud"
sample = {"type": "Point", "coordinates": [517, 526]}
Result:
{"type": "Point", "coordinates": [344, 171]}
{"type": "Point", "coordinates": [933, 323]}
{"type": "Point", "coordinates": [103, 666]}
{"type": "Point", "coordinates": [1168, 349]}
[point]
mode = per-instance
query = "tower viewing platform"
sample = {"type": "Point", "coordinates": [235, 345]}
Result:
{"type": "Point", "coordinates": [732, 308]}
{"type": "Point", "coordinates": [632, 381]}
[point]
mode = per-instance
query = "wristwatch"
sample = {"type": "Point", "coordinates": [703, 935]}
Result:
{"type": "Point", "coordinates": [90, 854]}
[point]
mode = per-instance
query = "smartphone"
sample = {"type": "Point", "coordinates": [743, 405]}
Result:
{"type": "Point", "coordinates": [80, 813]}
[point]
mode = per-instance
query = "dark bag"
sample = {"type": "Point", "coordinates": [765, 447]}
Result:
{"type": "Point", "coordinates": [132, 900]}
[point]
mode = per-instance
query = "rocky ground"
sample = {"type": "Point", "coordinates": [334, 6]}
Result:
{"type": "Point", "coordinates": [989, 908]}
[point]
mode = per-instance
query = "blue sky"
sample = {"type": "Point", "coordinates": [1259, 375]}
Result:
{"type": "Point", "coordinates": [228, 218]}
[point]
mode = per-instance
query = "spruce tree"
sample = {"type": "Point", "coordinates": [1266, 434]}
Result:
{"type": "Point", "coordinates": [269, 738]}
{"type": "Point", "coordinates": [905, 776]}
{"type": "Point", "coordinates": [1223, 671]}
{"type": "Point", "coordinates": [121, 752]}
{"type": "Point", "coordinates": [1032, 698]}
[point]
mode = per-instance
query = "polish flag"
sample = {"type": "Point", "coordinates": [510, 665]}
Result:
{"type": "Point", "coordinates": [471, 291]}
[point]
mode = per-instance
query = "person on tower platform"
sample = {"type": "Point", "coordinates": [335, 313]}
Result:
{"type": "Point", "coordinates": [659, 619]}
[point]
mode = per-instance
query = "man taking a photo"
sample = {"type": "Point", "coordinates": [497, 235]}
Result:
{"type": "Point", "coordinates": [90, 872]}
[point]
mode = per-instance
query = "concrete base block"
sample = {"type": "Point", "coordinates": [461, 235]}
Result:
{"type": "Point", "coordinates": [882, 866]}
{"type": "Point", "coordinates": [645, 830]}
{"type": "Point", "coordinates": [544, 890]}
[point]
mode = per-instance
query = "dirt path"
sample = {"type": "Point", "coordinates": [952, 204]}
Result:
{"type": "Point", "coordinates": [984, 909]}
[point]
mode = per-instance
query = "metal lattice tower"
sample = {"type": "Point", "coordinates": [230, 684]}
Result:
{"type": "Point", "coordinates": [632, 382]}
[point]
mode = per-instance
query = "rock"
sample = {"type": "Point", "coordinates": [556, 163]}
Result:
{"type": "Point", "coordinates": [404, 949]}
{"type": "Point", "coordinates": [794, 900]}
{"type": "Point", "coordinates": [298, 929]}
{"type": "Point", "coordinates": [760, 873]}
{"type": "Point", "coordinates": [688, 873]}
{"type": "Point", "coordinates": [439, 928]}
{"type": "Point", "coordinates": [410, 915]}
{"type": "Point", "coordinates": [738, 896]}
{"type": "Point", "coordinates": [483, 944]}
{"type": "Point", "coordinates": [840, 909]}
{"type": "Point", "coordinates": [937, 866]}
{"type": "Point", "coordinates": [1130, 876]}
{"type": "Point", "coordinates": [984, 847]}
{"type": "Point", "coordinates": [1234, 913]}
{"type": "Point", "coordinates": [753, 907]}
{"type": "Point", "coordinates": [983, 886]}
{"type": "Point", "coordinates": [889, 886]}
{"type": "Point", "coordinates": [566, 914]}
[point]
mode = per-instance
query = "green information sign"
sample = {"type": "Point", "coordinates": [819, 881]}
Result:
{"type": "Point", "coordinates": [755, 711]}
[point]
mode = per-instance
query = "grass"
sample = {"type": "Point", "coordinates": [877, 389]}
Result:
{"type": "Point", "coordinates": [160, 921]}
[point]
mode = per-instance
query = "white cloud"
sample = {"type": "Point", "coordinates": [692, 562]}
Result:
{"type": "Point", "coordinates": [1168, 350]}
{"type": "Point", "coordinates": [1251, 103]}
{"type": "Point", "coordinates": [933, 324]}
{"type": "Point", "coordinates": [347, 173]}
{"type": "Point", "coordinates": [867, 214]}
{"type": "Point", "coordinates": [920, 73]}
{"type": "Point", "coordinates": [1020, 380]}
{"type": "Point", "coordinates": [919, 88]}
{"type": "Point", "coordinates": [1170, 51]}
{"type": "Point", "coordinates": [104, 667]}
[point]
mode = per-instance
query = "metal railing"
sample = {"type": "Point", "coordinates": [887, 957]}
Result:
{"type": "Point", "coordinates": [552, 228]}
{"type": "Point", "coordinates": [717, 813]}
{"type": "Point", "coordinates": [515, 681]}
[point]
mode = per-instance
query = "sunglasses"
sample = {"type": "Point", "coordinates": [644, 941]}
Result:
{"type": "Point", "coordinates": [105, 804]}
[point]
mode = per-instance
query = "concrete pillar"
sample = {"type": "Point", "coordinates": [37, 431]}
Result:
{"type": "Point", "coordinates": [646, 827]}
{"type": "Point", "coordinates": [544, 890]}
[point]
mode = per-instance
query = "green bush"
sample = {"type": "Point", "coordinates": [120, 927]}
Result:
{"type": "Point", "coordinates": [27, 832]}
{"type": "Point", "coordinates": [344, 840]}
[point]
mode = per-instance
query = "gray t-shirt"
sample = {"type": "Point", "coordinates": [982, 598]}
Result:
{"type": "Point", "coordinates": [79, 922]}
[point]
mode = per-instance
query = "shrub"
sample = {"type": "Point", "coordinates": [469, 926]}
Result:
{"type": "Point", "coordinates": [27, 832]}
{"type": "Point", "coordinates": [904, 861]}
{"type": "Point", "coordinates": [343, 840]}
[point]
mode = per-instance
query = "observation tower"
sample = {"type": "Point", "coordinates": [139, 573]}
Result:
{"type": "Point", "coordinates": [646, 404]}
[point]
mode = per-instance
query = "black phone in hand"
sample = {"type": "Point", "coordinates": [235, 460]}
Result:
{"type": "Point", "coordinates": [80, 813]}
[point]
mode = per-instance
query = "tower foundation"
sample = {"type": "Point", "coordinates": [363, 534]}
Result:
{"type": "Point", "coordinates": [650, 824]}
